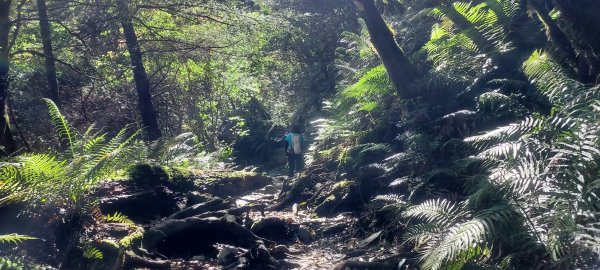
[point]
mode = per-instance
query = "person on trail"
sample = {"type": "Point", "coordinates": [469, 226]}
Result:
{"type": "Point", "coordinates": [294, 147]}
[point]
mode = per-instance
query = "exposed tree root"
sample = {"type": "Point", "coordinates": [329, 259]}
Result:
{"type": "Point", "coordinates": [193, 236]}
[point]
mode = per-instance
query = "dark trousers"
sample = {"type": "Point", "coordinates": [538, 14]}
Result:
{"type": "Point", "coordinates": [295, 163]}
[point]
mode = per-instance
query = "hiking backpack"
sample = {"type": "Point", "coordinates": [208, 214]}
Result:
{"type": "Point", "coordinates": [296, 147]}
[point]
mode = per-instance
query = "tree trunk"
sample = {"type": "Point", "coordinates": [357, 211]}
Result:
{"type": "Point", "coordinates": [6, 139]}
{"type": "Point", "coordinates": [555, 35]}
{"type": "Point", "coordinates": [581, 25]}
{"type": "Point", "coordinates": [142, 82]}
{"type": "Point", "coordinates": [46, 35]}
{"type": "Point", "coordinates": [399, 69]}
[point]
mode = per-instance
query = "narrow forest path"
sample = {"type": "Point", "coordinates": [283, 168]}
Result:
{"type": "Point", "coordinates": [187, 218]}
{"type": "Point", "coordinates": [319, 242]}
{"type": "Point", "coordinates": [215, 220]}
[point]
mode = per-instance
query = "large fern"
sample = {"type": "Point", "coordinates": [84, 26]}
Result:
{"type": "Point", "coordinates": [547, 166]}
{"type": "Point", "coordinates": [65, 179]}
{"type": "Point", "coordinates": [537, 173]}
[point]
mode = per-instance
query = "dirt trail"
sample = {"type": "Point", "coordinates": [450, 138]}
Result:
{"type": "Point", "coordinates": [332, 241]}
{"type": "Point", "coordinates": [208, 220]}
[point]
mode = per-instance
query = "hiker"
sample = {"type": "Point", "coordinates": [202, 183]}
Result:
{"type": "Point", "coordinates": [294, 146]}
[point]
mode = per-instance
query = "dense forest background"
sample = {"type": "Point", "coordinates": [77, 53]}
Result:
{"type": "Point", "coordinates": [452, 134]}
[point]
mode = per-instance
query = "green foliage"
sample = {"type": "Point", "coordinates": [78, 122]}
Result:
{"type": "Point", "coordinates": [15, 263]}
{"type": "Point", "coordinates": [449, 234]}
{"type": "Point", "coordinates": [63, 130]}
{"type": "Point", "coordinates": [148, 174]}
{"type": "Point", "coordinates": [374, 85]}
{"type": "Point", "coordinates": [181, 150]}
{"type": "Point", "coordinates": [15, 238]}
{"type": "Point", "coordinates": [557, 84]}
{"type": "Point", "coordinates": [131, 239]}
{"type": "Point", "coordinates": [92, 253]}
{"type": "Point", "coordinates": [11, 264]}
{"type": "Point", "coordinates": [364, 154]}
{"type": "Point", "coordinates": [118, 218]}
{"type": "Point", "coordinates": [545, 167]}
{"type": "Point", "coordinates": [64, 180]}
{"type": "Point", "coordinates": [540, 171]}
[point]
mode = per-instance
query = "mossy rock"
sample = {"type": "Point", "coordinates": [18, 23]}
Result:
{"type": "Point", "coordinates": [148, 174]}
{"type": "Point", "coordinates": [111, 255]}
{"type": "Point", "coordinates": [134, 238]}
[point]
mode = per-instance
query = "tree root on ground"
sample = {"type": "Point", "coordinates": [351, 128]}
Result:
{"type": "Point", "coordinates": [133, 261]}
{"type": "Point", "coordinates": [294, 194]}
{"type": "Point", "coordinates": [212, 205]}
{"type": "Point", "coordinates": [194, 236]}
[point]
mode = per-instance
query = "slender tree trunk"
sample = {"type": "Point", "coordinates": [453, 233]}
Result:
{"type": "Point", "coordinates": [142, 82]}
{"type": "Point", "coordinates": [6, 138]}
{"type": "Point", "coordinates": [400, 70]}
{"type": "Point", "coordinates": [581, 25]}
{"type": "Point", "coordinates": [46, 35]}
{"type": "Point", "coordinates": [555, 35]}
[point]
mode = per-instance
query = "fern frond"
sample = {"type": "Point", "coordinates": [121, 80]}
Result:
{"type": "Point", "coordinates": [464, 236]}
{"type": "Point", "coordinates": [15, 238]}
{"type": "Point", "coordinates": [390, 198]}
{"type": "Point", "coordinates": [92, 253]}
{"type": "Point", "coordinates": [109, 154]}
{"type": "Point", "coordinates": [33, 176]}
{"type": "Point", "coordinates": [504, 133]}
{"type": "Point", "coordinates": [421, 234]}
{"type": "Point", "coordinates": [60, 124]}
{"type": "Point", "coordinates": [503, 150]}
{"type": "Point", "coordinates": [441, 212]}
{"type": "Point", "coordinates": [118, 218]}
{"type": "Point", "coordinates": [556, 82]}
{"type": "Point", "coordinates": [94, 144]}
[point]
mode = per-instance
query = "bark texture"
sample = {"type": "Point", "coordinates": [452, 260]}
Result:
{"type": "Point", "coordinates": [400, 70]}
{"type": "Point", "coordinates": [7, 141]}
{"type": "Point", "coordinates": [49, 63]}
{"type": "Point", "coordinates": [142, 82]}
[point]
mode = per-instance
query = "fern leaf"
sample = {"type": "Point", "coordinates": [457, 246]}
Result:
{"type": "Point", "coordinates": [118, 218]}
{"type": "Point", "coordinates": [440, 211]}
{"type": "Point", "coordinates": [60, 124]}
{"type": "Point", "coordinates": [467, 235]}
{"type": "Point", "coordinates": [15, 238]}
{"type": "Point", "coordinates": [92, 253]}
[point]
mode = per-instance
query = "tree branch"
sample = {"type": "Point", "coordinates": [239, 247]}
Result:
{"type": "Point", "coordinates": [70, 66]}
